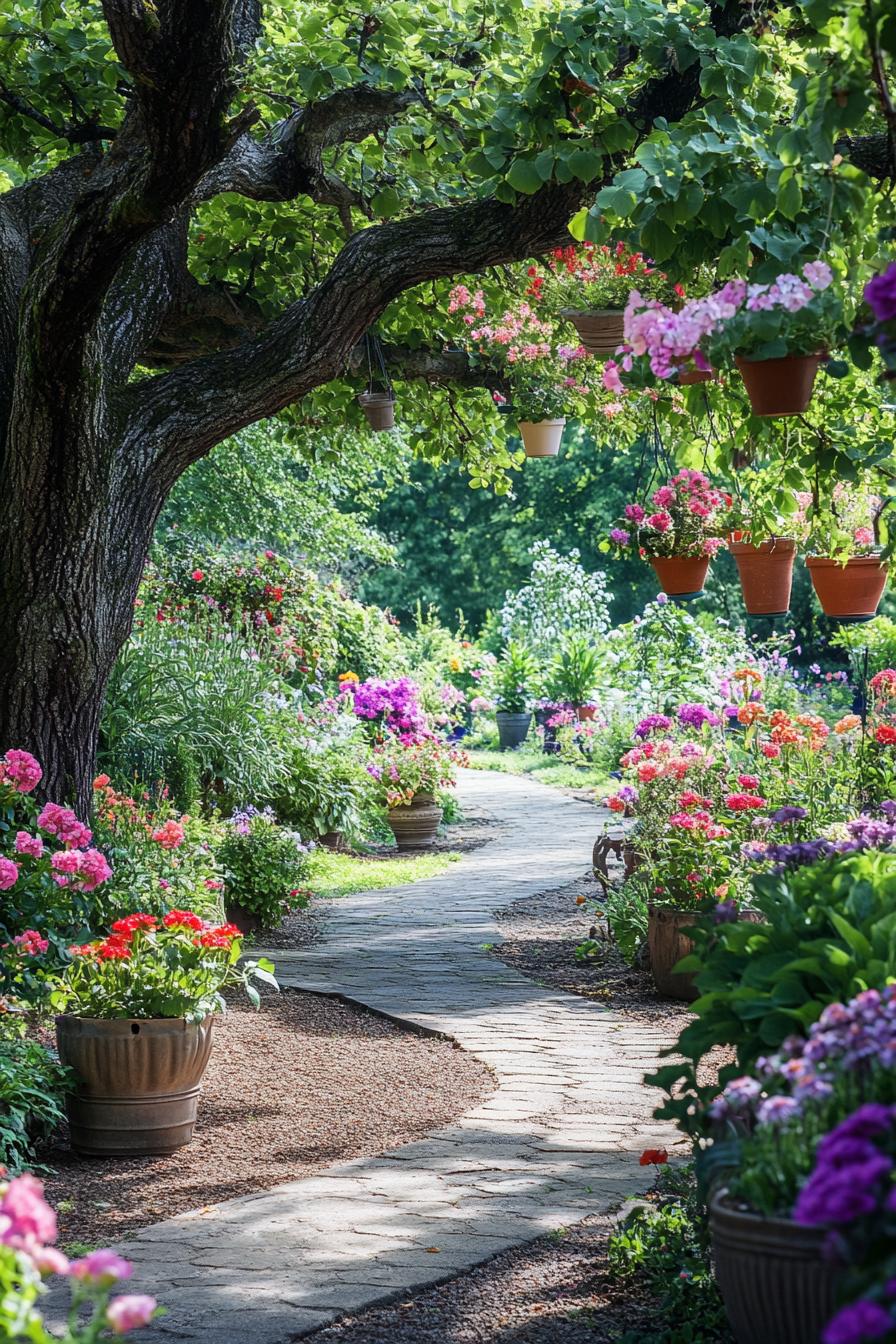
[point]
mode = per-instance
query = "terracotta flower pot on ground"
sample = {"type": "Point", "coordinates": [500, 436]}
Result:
{"type": "Point", "coordinates": [766, 574]}
{"type": "Point", "coordinates": [138, 1082]}
{"type": "Point", "coordinates": [681, 576]}
{"type": "Point", "coordinates": [775, 1282]}
{"type": "Point", "coordinates": [779, 386]}
{"type": "Point", "coordinates": [601, 330]}
{"type": "Point", "coordinates": [416, 825]}
{"type": "Point", "coordinates": [513, 729]}
{"type": "Point", "coordinates": [541, 438]}
{"type": "Point", "coordinates": [379, 409]}
{"type": "Point", "coordinates": [666, 945]}
{"type": "Point", "coordinates": [850, 592]}
{"type": "Point", "coordinates": [585, 712]}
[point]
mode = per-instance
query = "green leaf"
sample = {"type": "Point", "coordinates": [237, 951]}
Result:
{"type": "Point", "coordinates": [789, 199]}
{"type": "Point", "coordinates": [586, 164]}
{"type": "Point", "coordinates": [524, 177]}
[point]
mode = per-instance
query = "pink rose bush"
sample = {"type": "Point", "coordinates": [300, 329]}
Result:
{"type": "Point", "coordinates": [684, 517]}
{"type": "Point", "coordinates": [28, 1256]}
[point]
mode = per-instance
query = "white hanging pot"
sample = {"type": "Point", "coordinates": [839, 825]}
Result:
{"type": "Point", "coordinates": [541, 438]}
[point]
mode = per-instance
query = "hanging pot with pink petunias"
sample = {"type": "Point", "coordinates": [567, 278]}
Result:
{"type": "Point", "coordinates": [678, 530]}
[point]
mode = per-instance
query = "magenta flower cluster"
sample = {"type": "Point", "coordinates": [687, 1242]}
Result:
{"type": "Point", "coordinates": [394, 703]}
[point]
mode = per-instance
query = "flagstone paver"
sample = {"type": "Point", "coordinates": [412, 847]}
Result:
{"type": "Point", "coordinates": [553, 1143]}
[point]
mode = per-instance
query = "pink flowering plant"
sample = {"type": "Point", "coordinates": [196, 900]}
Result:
{"type": "Point", "coordinates": [393, 706]}
{"type": "Point", "coordinates": [846, 522]}
{"type": "Point", "coordinates": [145, 967]}
{"type": "Point", "coordinates": [792, 315]}
{"type": "Point", "coordinates": [684, 517]}
{"type": "Point", "coordinates": [542, 377]}
{"type": "Point", "coordinates": [50, 868]}
{"type": "Point", "coordinates": [29, 1257]}
{"type": "Point", "coordinates": [404, 771]}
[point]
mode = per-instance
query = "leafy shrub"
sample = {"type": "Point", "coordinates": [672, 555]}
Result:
{"type": "Point", "coordinates": [32, 1088]}
{"type": "Point", "coordinates": [264, 864]}
{"type": "Point", "coordinates": [573, 675]}
{"type": "Point", "coordinates": [177, 690]}
{"type": "Point", "coordinates": [513, 679]}
{"type": "Point", "coordinates": [667, 1249]}
{"type": "Point", "coordinates": [326, 789]}
{"type": "Point", "coordinates": [828, 932]}
{"type": "Point", "coordinates": [561, 598]}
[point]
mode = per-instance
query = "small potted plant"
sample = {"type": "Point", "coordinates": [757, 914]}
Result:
{"type": "Point", "coordinates": [265, 869]}
{"type": "Point", "coordinates": [572, 677]}
{"type": "Point", "coordinates": [409, 775]}
{"type": "Point", "coordinates": [512, 680]}
{"type": "Point", "coordinates": [589, 285]}
{"type": "Point", "coordinates": [679, 535]}
{"type": "Point", "coordinates": [137, 1027]}
{"type": "Point", "coordinates": [378, 405]}
{"type": "Point", "coordinates": [542, 379]}
{"type": "Point", "coordinates": [846, 568]}
{"type": "Point", "coordinates": [764, 562]}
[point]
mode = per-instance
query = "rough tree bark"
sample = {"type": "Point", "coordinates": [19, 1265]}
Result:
{"type": "Point", "coordinates": [94, 281]}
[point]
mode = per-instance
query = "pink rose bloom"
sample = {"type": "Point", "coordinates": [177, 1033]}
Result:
{"type": "Point", "coordinates": [31, 943]}
{"type": "Point", "coordinates": [21, 770]}
{"type": "Point", "coordinates": [32, 845]}
{"type": "Point", "coordinates": [660, 522]}
{"type": "Point", "coordinates": [102, 1268]}
{"type": "Point", "coordinates": [129, 1313]}
{"type": "Point", "coordinates": [61, 821]}
{"type": "Point", "coordinates": [9, 874]}
{"type": "Point", "coordinates": [66, 861]}
{"type": "Point", "coordinates": [26, 1219]}
{"type": "Point", "coordinates": [170, 836]}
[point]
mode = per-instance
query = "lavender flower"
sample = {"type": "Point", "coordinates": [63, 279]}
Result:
{"type": "Point", "coordinates": [651, 724]}
{"type": "Point", "coordinates": [859, 1322]}
{"type": "Point", "coordinates": [784, 816]}
{"type": "Point", "coordinates": [777, 1110]}
{"type": "Point", "coordinates": [695, 715]}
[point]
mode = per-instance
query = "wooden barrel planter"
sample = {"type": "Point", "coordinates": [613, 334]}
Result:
{"type": "Point", "coordinates": [416, 825]}
{"type": "Point", "coordinates": [776, 1284]}
{"type": "Point", "coordinates": [779, 386]}
{"type": "Point", "coordinates": [138, 1082]}
{"type": "Point", "coordinates": [666, 946]}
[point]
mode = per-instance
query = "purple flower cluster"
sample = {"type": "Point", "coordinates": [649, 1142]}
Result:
{"type": "Point", "coordinates": [864, 832]}
{"type": "Point", "coordinates": [242, 817]}
{"type": "Point", "coordinates": [853, 1034]}
{"type": "Point", "coordinates": [653, 723]}
{"type": "Point", "coordinates": [396, 703]}
{"type": "Point", "coordinates": [858, 1323]}
{"type": "Point", "coordinates": [694, 716]}
{"type": "Point", "coordinates": [851, 1173]}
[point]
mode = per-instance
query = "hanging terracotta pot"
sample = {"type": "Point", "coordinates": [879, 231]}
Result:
{"type": "Point", "coordinates": [585, 712]}
{"type": "Point", "coordinates": [379, 409]}
{"type": "Point", "coordinates": [850, 592]}
{"type": "Point", "coordinates": [681, 575]}
{"type": "Point", "coordinates": [779, 386]}
{"type": "Point", "coordinates": [688, 374]}
{"type": "Point", "coordinates": [601, 330]}
{"type": "Point", "coordinates": [766, 574]}
{"type": "Point", "coordinates": [541, 438]}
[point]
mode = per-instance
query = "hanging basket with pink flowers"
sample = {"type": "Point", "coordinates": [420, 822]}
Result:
{"type": "Point", "coordinates": [678, 531]}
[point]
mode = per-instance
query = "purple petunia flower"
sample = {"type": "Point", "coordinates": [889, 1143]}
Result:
{"type": "Point", "coordinates": [653, 723]}
{"type": "Point", "coordinates": [695, 715]}
{"type": "Point", "coordinates": [859, 1322]}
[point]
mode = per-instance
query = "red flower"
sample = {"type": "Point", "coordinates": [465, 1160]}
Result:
{"type": "Point", "coordinates": [653, 1157]}
{"type": "Point", "coordinates": [748, 781]}
{"type": "Point", "coordinates": [182, 919]}
{"type": "Point", "coordinates": [131, 923]}
{"type": "Point", "coordinates": [212, 938]}
{"type": "Point", "coordinates": [743, 802]}
{"type": "Point", "coordinates": [886, 735]}
{"type": "Point", "coordinates": [113, 949]}
{"type": "Point", "coordinates": [197, 576]}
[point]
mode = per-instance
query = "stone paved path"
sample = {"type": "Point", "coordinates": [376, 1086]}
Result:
{"type": "Point", "coordinates": [556, 1141]}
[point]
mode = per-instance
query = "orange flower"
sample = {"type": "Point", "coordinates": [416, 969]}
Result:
{"type": "Point", "coordinates": [750, 713]}
{"type": "Point", "coordinates": [817, 726]}
{"type": "Point", "coordinates": [748, 674]}
{"type": "Point", "coordinates": [779, 719]}
{"type": "Point", "coordinates": [787, 736]}
{"type": "Point", "coordinates": [847, 723]}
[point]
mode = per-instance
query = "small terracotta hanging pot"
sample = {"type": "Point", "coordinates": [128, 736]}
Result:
{"type": "Point", "coordinates": [779, 386]}
{"type": "Point", "coordinates": [601, 330]}
{"type": "Point", "coordinates": [850, 592]}
{"type": "Point", "coordinates": [681, 575]}
{"type": "Point", "coordinates": [541, 438]}
{"type": "Point", "coordinates": [379, 409]}
{"type": "Point", "coordinates": [585, 712]}
{"type": "Point", "coordinates": [688, 374]}
{"type": "Point", "coordinates": [766, 574]}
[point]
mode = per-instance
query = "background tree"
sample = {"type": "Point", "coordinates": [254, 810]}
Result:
{"type": "Point", "coordinates": [211, 202]}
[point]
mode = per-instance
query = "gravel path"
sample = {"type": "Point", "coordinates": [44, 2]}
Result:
{"type": "Point", "coordinates": [305, 1082]}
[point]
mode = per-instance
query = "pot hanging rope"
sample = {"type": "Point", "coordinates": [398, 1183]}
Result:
{"type": "Point", "coordinates": [378, 401]}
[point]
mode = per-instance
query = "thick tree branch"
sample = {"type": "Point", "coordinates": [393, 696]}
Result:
{"type": "Point", "coordinates": [871, 153]}
{"type": "Point", "coordinates": [439, 367]}
{"type": "Point", "coordinates": [76, 132]}
{"type": "Point", "coordinates": [288, 162]}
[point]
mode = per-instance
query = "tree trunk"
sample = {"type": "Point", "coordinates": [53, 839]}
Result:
{"type": "Point", "coordinates": [74, 535]}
